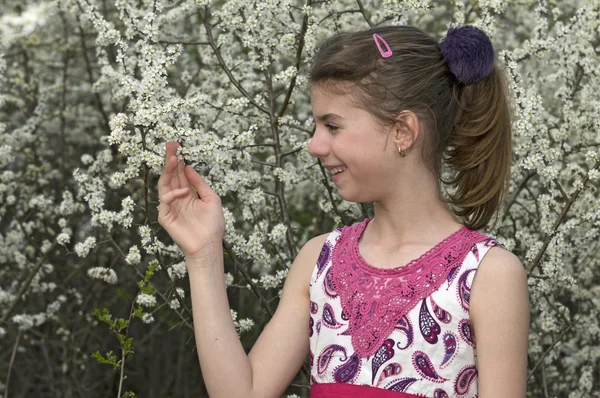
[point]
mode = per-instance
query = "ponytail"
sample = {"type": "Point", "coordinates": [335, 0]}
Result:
{"type": "Point", "coordinates": [479, 150]}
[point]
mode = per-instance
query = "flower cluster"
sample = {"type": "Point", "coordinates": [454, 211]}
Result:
{"type": "Point", "coordinates": [91, 91]}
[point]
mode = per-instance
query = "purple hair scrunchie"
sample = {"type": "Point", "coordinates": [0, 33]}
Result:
{"type": "Point", "coordinates": [469, 54]}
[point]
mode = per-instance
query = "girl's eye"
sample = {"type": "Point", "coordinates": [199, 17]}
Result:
{"type": "Point", "coordinates": [331, 127]}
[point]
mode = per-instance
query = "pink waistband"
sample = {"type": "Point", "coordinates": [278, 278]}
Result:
{"type": "Point", "coordinates": [340, 390]}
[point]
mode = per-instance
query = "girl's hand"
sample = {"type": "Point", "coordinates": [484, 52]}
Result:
{"type": "Point", "coordinates": [195, 224]}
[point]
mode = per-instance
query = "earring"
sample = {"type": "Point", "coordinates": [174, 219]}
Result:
{"type": "Point", "coordinates": [402, 152]}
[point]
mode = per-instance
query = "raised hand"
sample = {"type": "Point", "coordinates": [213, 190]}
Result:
{"type": "Point", "coordinates": [195, 224]}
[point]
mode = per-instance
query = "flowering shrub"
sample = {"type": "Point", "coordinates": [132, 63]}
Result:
{"type": "Point", "coordinates": [89, 94]}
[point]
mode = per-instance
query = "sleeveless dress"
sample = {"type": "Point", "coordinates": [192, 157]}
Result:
{"type": "Point", "coordinates": [394, 333]}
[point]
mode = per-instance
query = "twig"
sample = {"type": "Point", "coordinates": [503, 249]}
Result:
{"type": "Point", "coordinates": [560, 218]}
{"type": "Point", "coordinates": [517, 191]}
{"type": "Point", "coordinates": [121, 377]}
{"type": "Point", "coordinates": [232, 79]}
{"type": "Point", "coordinates": [10, 365]}
{"type": "Point", "coordinates": [290, 89]}
{"type": "Point", "coordinates": [364, 13]}
{"type": "Point", "coordinates": [242, 270]}
{"type": "Point", "coordinates": [26, 284]}
{"type": "Point", "coordinates": [551, 347]}
{"type": "Point", "coordinates": [185, 43]}
{"type": "Point", "coordinates": [141, 275]}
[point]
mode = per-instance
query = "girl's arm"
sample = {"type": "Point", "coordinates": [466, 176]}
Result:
{"type": "Point", "coordinates": [281, 348]}
{"type": "Point", "coordinates": [196, 223]}
{"type": "Point", "coordinates": [499, 312]}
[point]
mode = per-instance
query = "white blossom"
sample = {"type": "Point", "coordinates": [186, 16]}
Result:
{"type": "Point", "coordinates": [106, 274]}
{"type": "Point", "coordinates": [147, 300]}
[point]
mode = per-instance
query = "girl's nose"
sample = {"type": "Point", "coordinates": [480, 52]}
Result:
{"type": "Point", "coordinates": [318, 146]}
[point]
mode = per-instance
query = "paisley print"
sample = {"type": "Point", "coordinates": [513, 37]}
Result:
{"type": "Point", "coordinates": [450, 345]}
{"type": "Point", "coordinates": [466, 332]}
{"type": "Point", "coordinates": [464, 290]}
{"type": "Point", "coordinates": [441, 314]}
{"type": "Point", "coordinates": [439, 393]}
{"type": "Point", "coordinates": [349, 371]}
{"type": "Point", "coordinates": [383, 354]}
{"type": "Point", "coordinates": [475, 252]}
{"type": "Point", "coordinates": [326, 356]}
{"type": "Point", "coordinates": [465, 378]}
{"type": "Point", "coordinates": [323, 258]}
{"type": "Point", "coordinates": [430, 329]}
{"type": "Point", "coordinates": [436, 361]}
{"type": "Point", "coordinates": [424, 367]}
{"type": "Point", "coordinates": [392, 369]}
{"type": "Point", "coordinates": [345, 316]}
{"type": "Point", "coordinates": [405, 326]}
{"type": "Point", "coordinates": [314, 307]}
{"type": "Point", "coordinates": [401, 385]}
{"type": "Point", "coordinates": [451, 275]}
{"type": "Point", "coordinates": [328, 285]}
{"type": "Point", "coordinates": [329, 317]}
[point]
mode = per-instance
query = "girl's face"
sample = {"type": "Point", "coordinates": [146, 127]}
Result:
{"type": "Point", "coordinates": [351, 138]}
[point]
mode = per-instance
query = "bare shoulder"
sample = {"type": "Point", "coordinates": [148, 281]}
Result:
{"type": "Point", "coordinates": [501, 263]}
{"type": "Point", "coordinates": [305, 262]}
{"type": "Point", "coordinates": [500, 280]}
{"type": "Point", "coordinates": [315, 244]}
{"type": "Point", "coordinates": [499, 313]}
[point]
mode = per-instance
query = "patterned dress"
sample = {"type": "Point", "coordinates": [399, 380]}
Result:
{"type": "Point", "coordinates": [401, 332]}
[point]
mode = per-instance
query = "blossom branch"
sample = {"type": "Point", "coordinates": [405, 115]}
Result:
{"type": "Point", "coordinates": [232, 79]}
{"type": "Point", "coordinates": [559, 338]}
{"type": "Point", "coordinates": [26, 284]}
{"type": "Point", "coordinates": [364, 13]}
{"type": "Point", "coordinates": [141, 275]}
{"type": "Point", "coordinates": [290, 89]}
{"type": "Point", "coordinates": [559, 220]}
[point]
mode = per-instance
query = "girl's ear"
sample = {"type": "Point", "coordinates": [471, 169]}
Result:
{"type": "Point", "coordinates": [406, 130]}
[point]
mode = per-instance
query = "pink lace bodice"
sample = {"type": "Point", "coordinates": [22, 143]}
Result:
{"type": "Point", "coordinates": [363, 317]}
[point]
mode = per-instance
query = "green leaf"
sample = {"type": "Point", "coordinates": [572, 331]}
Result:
{"type": "Point", "coordinates": [123, 323]}
{"type": "Point", "coordinates": [147, 290]}
{"type": "Point", "coordinates": [110, 359]}
{"type": "Point", "coordinates": [139, 312]}
{"type": "Point", "coordinates": [105, 316]}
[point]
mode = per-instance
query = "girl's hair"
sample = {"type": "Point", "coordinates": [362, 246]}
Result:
{"type": "Point", "coordinates": [467, 125]}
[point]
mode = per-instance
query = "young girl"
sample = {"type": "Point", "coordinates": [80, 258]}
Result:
{"type": "Point", "coordinates": [409, 303]}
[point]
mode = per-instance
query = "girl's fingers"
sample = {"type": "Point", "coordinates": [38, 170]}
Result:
{"type": "Point", "coordinates": [167, 176]}
{"type": "Point", "coordinates": [203, 189]}
{"type": "Point", "coordinates": [183, 181]}
{"type": "Point", "coordinates": [168, 198]}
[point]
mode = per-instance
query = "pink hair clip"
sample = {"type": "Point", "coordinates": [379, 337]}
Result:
{"type": "Point", "coordinates": [388, 52]}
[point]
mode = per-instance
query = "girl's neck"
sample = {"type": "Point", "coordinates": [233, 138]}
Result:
{"type": "Point", "coordinates": [394, 231]}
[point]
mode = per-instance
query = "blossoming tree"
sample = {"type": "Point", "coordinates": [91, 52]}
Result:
{"type": "Point", "coordinates": [93, 296]}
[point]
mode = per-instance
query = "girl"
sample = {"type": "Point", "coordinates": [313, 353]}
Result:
{"type": "Point", "coordinates": [411, 302]}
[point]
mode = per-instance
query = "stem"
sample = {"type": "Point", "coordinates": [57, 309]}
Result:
{"type": "Point", "coordinates": [558, 221]}
{"type": "Point", "coordinates": [10, 365]}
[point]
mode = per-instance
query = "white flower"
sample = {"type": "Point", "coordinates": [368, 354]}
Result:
{"type": "Point", "coordinates": [106, 274]}
{"type": "Point", "coordinates": [147, 318]}
{"type": "Point", "coordinates": [83, 249]}
{"type": "Point", "coordinates": [63, 239]}
{"type": "Point", "coordinates": [178, 270]}
{"type": "Point", "coordinates": [147, 300]}
{"type": "Point", "coordinates": [134, 256]}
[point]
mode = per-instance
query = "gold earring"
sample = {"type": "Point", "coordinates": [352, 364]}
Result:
{"type": "Point", "coordinates": [402, 152]}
